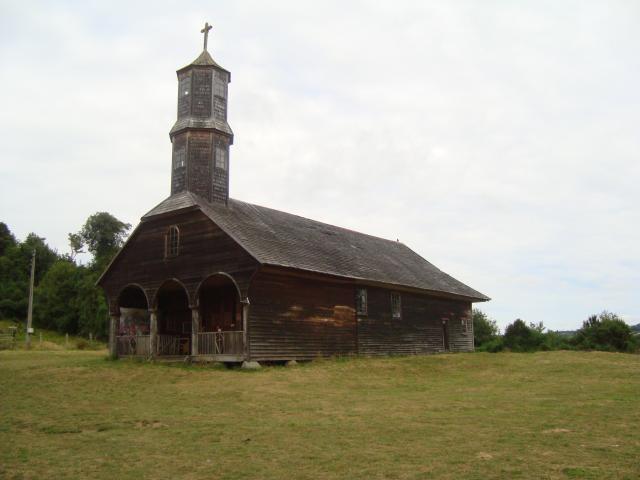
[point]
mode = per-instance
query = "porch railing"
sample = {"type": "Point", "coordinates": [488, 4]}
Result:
{"type": "Point", "coordinates": [133, 345]}
{"type": "Point", "coordinates": [172, 345]}
{"type": "Point", "coordinates": [221, 343]}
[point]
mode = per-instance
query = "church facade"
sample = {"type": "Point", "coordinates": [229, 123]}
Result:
{"type": "Point", "coordinates": [214, 278]}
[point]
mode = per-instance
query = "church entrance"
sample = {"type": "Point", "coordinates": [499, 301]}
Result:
{"type": "Point", "coordinates": [174, 320]}
{"type": "Point", "coordinates": [132, 329]}
{"type": "Point", "coordinates": [221, 329]}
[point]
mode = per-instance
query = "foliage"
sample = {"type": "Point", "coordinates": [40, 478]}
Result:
{"type": "Point", "coordinates": [15, 270]}
{"type": "Point", "coordinates": [484, 329]}
{"type": "Point", "coordinates": [7, 240]}
{"type": "Point", "coordinates": [520, 337]}
{"type": "Point", "coordinates": [66, 296]}
{"type": "Point", "coordinates": [56, 298]}
{"type": "Point", "coordinates": [606, 331]}
{"type": "Point", "coordinates": [102, 234]}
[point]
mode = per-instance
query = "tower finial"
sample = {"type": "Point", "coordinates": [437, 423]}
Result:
{"type": "Point", "coordinates": [205, 30]}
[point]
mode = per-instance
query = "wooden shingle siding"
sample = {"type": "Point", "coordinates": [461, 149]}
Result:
{"type": "Point", "coordinates": [299, 318]}
{"type": "Point", "coordinates": [418, 331]}
{"type": "Point", "coordinates": [204, 249]}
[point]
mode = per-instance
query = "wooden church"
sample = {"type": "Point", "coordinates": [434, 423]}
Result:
{"type": "Point", "coordinates": [213, 278]}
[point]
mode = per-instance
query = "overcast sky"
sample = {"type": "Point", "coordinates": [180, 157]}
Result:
{"type": "Point", "coordinates": [499, 140]}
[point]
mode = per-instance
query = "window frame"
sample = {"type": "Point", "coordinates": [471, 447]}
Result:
{"type": "Point", "coordinates": [225, 161]}
{"type": "Point", "coordinates": [172, 242]}
{"type": "Point", "coordinates": [396, 315]}
{"type": "Point", "coordinates": [361, 292]}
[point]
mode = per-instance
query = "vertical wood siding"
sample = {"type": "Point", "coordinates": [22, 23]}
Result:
{"type": "Point", "coordinates": [418, 331]}
{"type": "Point", "coordinates": [204, 249]}
{"type": "Point", "coordinates": [298, 318]}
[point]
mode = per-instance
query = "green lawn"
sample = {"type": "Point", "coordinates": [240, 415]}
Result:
{"type": "Point", "coordinates": [71, 414]}
{"type": "Point", "coordinates": [49, 339]}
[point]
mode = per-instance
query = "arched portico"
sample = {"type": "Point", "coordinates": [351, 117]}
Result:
{"type": "Point", "coordinates": [171, 320]}
{"type": "Point", "coordinates": [131, 326]}
{"type": "Point", "coordinates": [219, 322]}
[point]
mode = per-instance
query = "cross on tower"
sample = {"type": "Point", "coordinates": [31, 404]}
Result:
{"type": "Point", "coordinates": [205, 30]}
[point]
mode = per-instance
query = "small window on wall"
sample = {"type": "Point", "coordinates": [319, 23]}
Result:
{"type": "Point", "coordinates": [172, 242]}
{"type": "Point", "coordinates": [220, 85]}
{"type": "Point", "coordinates": [465, 325]}
{"type": "Point", "coordinates": [361, 301]}
{"type": "Point", "coordinates": [179, 157]}
{"type": "Point", "coordinates": [396, 305]}
{"type": "Point", "coordinates": [221, 158]}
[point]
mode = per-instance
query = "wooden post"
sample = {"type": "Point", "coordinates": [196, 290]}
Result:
{"type": "Point", "coordinates": [114, 320]}
{"type": "Point", "coordinates": [40, 338]}
{"type": "Point", "coordinates": [66, 340]}
{"type": "Point", "coordinates": [195, 329]}
{"type": "Point", "coordinates": [153, 332]}
{"type": "Point", "coordinates": [27, 337]}
{"type": "Point", "coordinates": [245, 323]}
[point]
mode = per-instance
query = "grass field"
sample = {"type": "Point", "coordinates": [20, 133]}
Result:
{"type": "Point", "coordinates": [71, 414]}
{"type": "Point", "coordinates": [49, 339]}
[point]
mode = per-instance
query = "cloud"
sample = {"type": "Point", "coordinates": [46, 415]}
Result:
{"type": "Point", "coordinates": [498, 141]}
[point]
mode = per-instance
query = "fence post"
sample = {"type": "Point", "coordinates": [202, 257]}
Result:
{"type": "Point", "coordinates": [40, 338]}
{"type": "Point", "coordinates": [66, 340]}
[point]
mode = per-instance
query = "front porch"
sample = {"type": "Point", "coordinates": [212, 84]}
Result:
{"type": "Point", "coordinates": [222, 346]}
{"type": "Point", "coordinates": [210, 329]}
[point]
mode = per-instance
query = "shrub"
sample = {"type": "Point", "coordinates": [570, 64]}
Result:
{"type": "Point", "coordinates": [485, 330]}
{"type": "Point", "coordinates": [606, 331]}
{"type": "Point", "coordinates": [82, 344]}
{"type": "Point", "coordinates": [520, 337]}
{"type": "Point", "coordinates": [494, 345]}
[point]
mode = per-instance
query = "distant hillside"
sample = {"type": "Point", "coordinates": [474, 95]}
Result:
{"type": "Point", "coordinates": [636, 328]}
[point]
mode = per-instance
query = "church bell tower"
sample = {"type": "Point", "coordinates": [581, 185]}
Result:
{"type": "Point", "coordinates": [201, 136]}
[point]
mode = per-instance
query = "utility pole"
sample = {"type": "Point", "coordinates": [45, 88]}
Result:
{"type": "Point", "coordinates": [30, 312]}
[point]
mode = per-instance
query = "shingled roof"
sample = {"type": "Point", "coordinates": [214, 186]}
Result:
{"type": "Point", "coordinates": [281, 239]}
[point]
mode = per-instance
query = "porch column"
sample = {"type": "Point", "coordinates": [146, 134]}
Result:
{"type": "Point", "coordinates": [245, 323]}
{"type": "Point", "coordinates": [114, 320]}
{"type": "Point", "coordinates": [195, 329]}
{"type": "Point", "coordinates": [153, 332]}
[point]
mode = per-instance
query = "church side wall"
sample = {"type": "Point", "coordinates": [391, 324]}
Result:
{"type": "Point", "coordinates": [305, 317]}
{"type": "Point", "coordinates": [420, 328]}
{"type": "Point", "coordinates": [204, 249]}
{"type": "Point", "coordinates": [300, 318]}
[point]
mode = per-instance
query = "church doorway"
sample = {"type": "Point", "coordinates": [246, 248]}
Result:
{"type": "Point", "coordinates": [445, 334]}
{"type": "Point", "coordinates": [132, 331]}
{"type": "Point", "coordinates": [221, 329]}
{"type": "Point", "coordinates": [174, 320]}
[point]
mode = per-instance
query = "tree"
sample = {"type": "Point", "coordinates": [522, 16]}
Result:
{"type": "Point", "coordinates": [521, 337]}
{"type": "Point", "coordinates": [15, 269]}
{"type": "Point", "coordinates": [7, 240]}
{"type": "Point", "coordinates": [56, 298]}
{"type": "Point", "coordinates": [103, 235]}
{"type": "Point", "coordinates": [484, 328]}
{"type": "Point", "coordinates": [606, 331]}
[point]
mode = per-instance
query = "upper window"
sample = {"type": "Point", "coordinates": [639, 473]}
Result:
{"type": "Point", "coordinates": [396, 305]}
{"type": "Point", "coordinates": [220, 85]}
{"type": "Point", "coordinates": [221, 158]}
{"type": "Point", "coordinates": [361, 301]}
{"type": "Point", "coordinates": [179, 157]}
{"type": "Point", "coordinates": [172, 242]}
